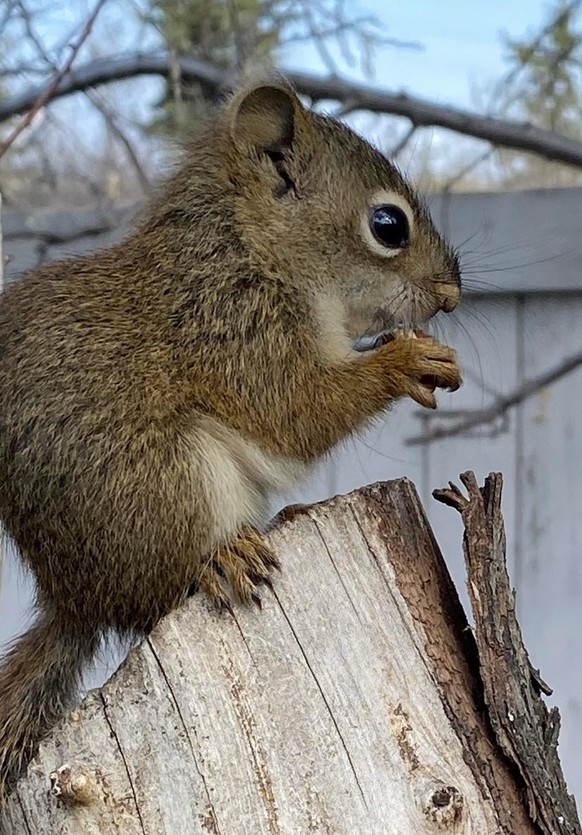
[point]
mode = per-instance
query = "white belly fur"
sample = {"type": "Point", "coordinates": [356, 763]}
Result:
{"type": "Point", "coordinates": [239, 477]}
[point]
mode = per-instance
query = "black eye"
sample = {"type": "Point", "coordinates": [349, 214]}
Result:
{"type": "Point", "coordinates": [389, 226]}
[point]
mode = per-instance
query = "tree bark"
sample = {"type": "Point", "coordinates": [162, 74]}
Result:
{"type": "Point", "coordinates": [354, 702]}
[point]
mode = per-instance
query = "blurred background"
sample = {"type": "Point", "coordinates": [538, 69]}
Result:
{"type": "Point", "coordinates": [480, 105]}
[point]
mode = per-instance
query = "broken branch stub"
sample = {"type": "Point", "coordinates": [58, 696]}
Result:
{"type": "Point", "coordinates": [524, 728]}
{"type": "Point", "coordinates": [352, 703]}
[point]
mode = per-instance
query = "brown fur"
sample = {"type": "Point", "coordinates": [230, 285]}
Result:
{"type": "Point", "coordinates": [142, 384]}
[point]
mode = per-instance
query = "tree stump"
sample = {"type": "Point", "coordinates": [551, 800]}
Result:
{"type": "Point", "coordinates": [358, 701]}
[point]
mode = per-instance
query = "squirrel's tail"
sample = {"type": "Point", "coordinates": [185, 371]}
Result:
{"type": "Point", "coordinates": [38, 679]}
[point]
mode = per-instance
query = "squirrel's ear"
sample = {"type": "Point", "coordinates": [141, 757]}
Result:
{"type": "Point", "coordinates": [264, 117]}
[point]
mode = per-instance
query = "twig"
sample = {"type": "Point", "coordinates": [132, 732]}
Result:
{"type": "Point", "coordinates": [524, 728]}
{"type": "Point", "coordinates": [466, 169]}
{"type": "Point", "coordinates": [122, 137]}
{"type": "Point", "coordinates": [240, 45]}
{"type": "Point", "coordinates": [530, 50]}
{"type": "Point", "coordinates": [447, 188]}
{"type": "Point", "coordinates": [502, 404]}
{"type": "Point", "coordinates": [318, 39]}
{"type": "Point", "coordinates": [32, 36]}
{"type": "Point", "coordinates": [345, 109]}
{"type": "Point", "coordinates": [8, 9]}
{"type": "Point", "coordinates": [48, 238]}
{"type": "Point", "coordinates": [45, 96]}
{"type": "Point", "coordinates": [403, 142]}
{"type": "Point", "coordinates": [524, 137]}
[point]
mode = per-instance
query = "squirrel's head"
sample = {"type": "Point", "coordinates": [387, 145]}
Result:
{"type": "Point", "coordinates": [317, 203]}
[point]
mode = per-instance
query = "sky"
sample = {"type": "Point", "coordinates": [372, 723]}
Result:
{"type": "Point", "coordinates": [460, 58]}
{"type": "Point", "coordinates": [460, 39]}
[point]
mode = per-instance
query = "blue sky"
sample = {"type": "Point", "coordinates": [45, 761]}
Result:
{"type": "Point", "coordinates": [460, 59]}
{"type": "Point", "coordinates": [460, 39]}
{"type": "Point", "coordinates": [461, 45]}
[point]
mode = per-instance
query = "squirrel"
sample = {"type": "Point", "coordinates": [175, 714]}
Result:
{"type": "Point", "coordinates": [153, 395]}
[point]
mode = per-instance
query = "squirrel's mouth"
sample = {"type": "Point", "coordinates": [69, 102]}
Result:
{"type": "Point", "coordinates": [407, 313]}
{"type": "Point", "coordinates": [408, 330]}
{"type": "Point", "coordinates": [387, 325]}
{"type": "Point", "coordinates": [412, 314]}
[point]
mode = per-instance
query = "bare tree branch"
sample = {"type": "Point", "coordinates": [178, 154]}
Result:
{"type": "Point", "coordinates": [318, 39]}
{"type": "Point", "coordinates": [45, 95]}
{"type": "Point", "coordinates": [524, 137]}
{"type": "Point", "coordinates": [237, 33]}
{"type": "Point", "coordinates": [114, 127]}
{"type": "Point", "coordinates": [555, 20]}
{"type": "Point", "coordinates": [502, 404]}
{"type": "Point", "coordinates": [7, 13]}
{"type": "Point", "coordinates": [466, 169]}
{"type": "Point", "coordinates": [26, 18]}
{"type": "Point", "coordinates": [403, 142]}
{"type": "Point", "coordinates": [345, 109]}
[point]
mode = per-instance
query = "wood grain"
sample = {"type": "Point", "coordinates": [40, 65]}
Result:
{"type": "Point", "coordinates": [350, 704]}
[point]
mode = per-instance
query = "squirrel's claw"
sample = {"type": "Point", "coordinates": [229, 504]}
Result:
{"type": "Point", "coordinates": [237, 570]}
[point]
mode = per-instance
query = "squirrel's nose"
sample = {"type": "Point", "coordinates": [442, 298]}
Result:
{"type": "Point", "coordinates": [450, 295]}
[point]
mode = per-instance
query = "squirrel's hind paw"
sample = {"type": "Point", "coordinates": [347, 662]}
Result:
{"type": "Point", "coordinates": [237, 570]}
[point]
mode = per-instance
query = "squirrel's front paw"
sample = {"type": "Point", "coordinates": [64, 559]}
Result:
{"type": "Point", "coordinates": [418, 365]}
{"type": "Point", "coordinates": [235, 571]}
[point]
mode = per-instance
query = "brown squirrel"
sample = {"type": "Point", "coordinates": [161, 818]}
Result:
{"type": "Point", "coordinates": [153, 395]}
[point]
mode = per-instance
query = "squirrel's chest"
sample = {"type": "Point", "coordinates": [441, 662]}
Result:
{"type": "Point", "coordinates": [240, 478]}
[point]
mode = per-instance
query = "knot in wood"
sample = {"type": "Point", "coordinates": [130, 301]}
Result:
{"type": "Point", "coordinates": [443, 805]}
{"type": "Point", "coordinates": [73, 784]}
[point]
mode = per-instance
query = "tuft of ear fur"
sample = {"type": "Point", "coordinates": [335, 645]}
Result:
{"type": "Point", "coordinates": [263, 117]}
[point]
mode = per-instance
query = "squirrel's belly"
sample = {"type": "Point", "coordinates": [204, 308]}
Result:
{"type": "Point", "coordinates": [239, 477]}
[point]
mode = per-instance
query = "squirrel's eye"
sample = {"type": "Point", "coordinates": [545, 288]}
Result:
{"type": "Point", "coordinates": [389, 225]}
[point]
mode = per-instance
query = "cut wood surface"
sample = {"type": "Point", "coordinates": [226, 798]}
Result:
{"type": "Point", "coordinates": [351, 703]}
